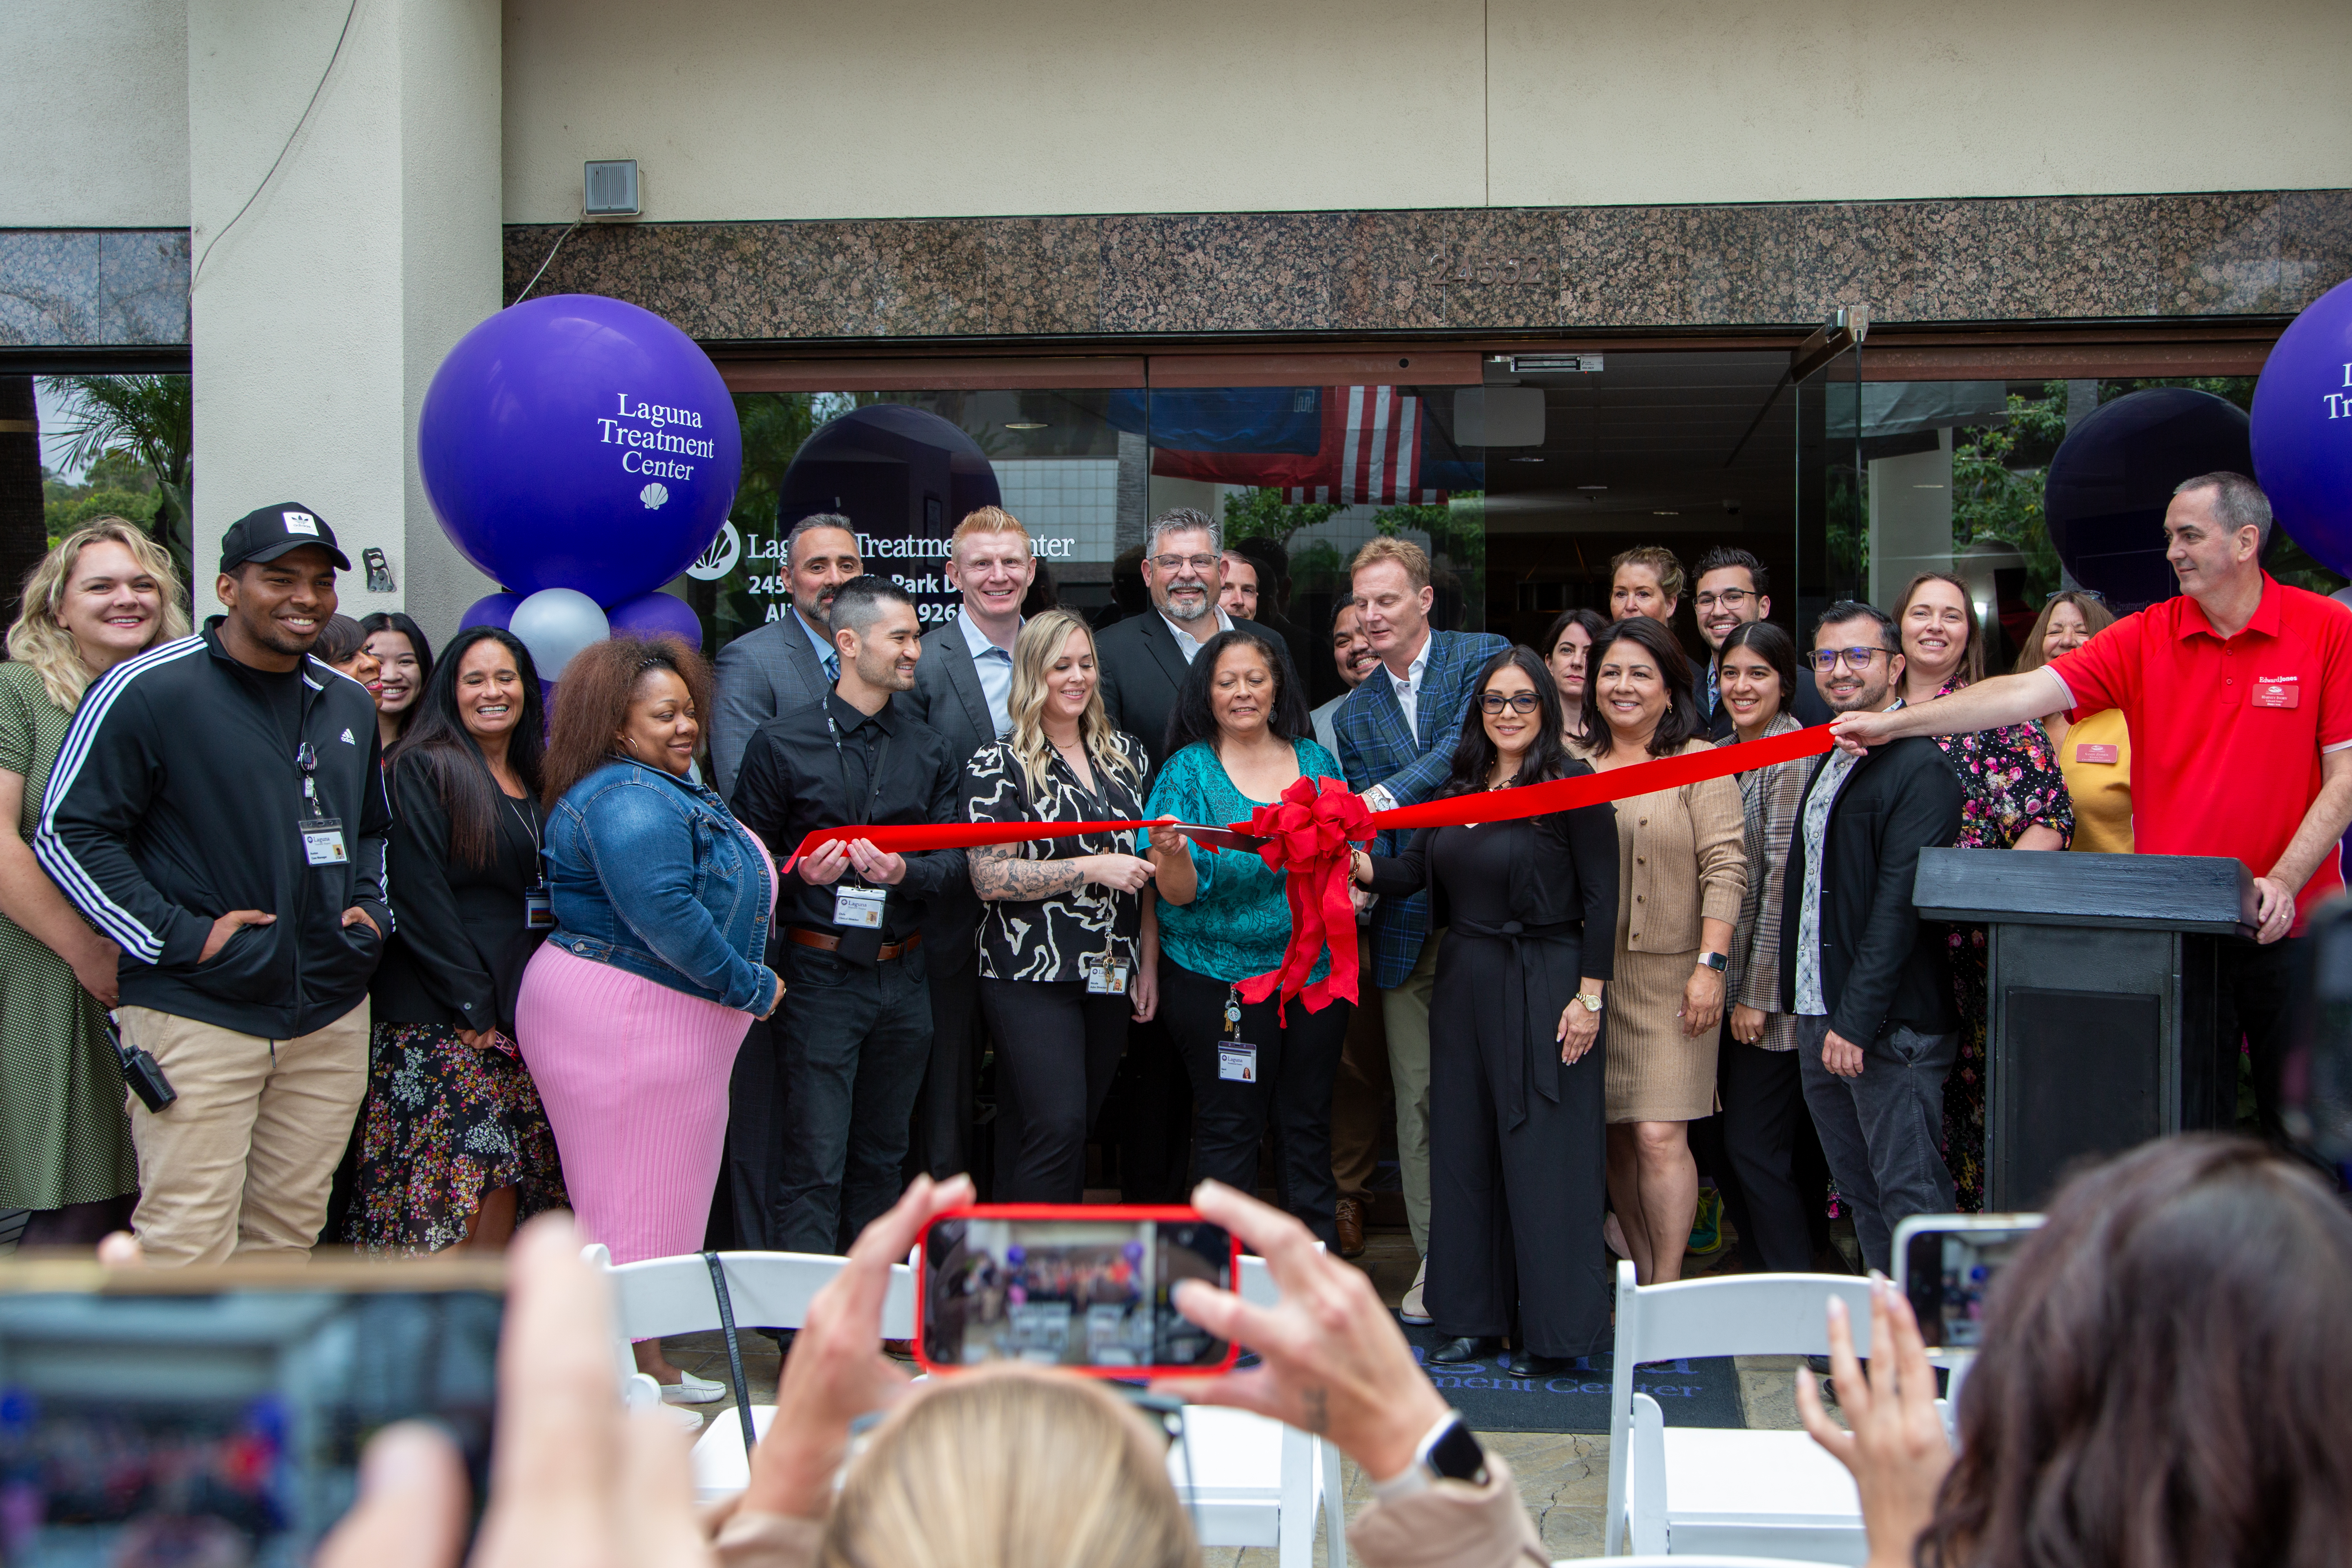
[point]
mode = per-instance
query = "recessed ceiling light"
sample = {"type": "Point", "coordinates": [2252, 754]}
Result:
{"type": "Point", "coordinates": [1527, 459]}
{"type": "Point", "coordinates": [1665, 514]}
{"type": "Point", "coordinates": [1592, 487]}
{"type": "Point", "coordinates": [1025, 424]}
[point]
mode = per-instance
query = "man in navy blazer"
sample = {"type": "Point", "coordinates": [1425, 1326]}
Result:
{"type": "Point", "coordinates": [1397, 733]}
{"type": "Point", "coordinates": [963, 689]}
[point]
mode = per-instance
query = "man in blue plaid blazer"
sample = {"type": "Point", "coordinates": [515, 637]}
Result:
{"type": "Point", "coordinates": [1397, 732]}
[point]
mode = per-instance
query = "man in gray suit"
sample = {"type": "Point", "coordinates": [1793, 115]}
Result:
{"type": "Point", "coordinates": [789, 662]}
{"type": "Point", "coordinates": [786, 664]}
{"type": "Point", "coordinates": [963, 689]}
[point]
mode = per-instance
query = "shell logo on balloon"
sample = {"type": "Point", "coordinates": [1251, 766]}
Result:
{"type": "Point", "coordinates": [653, 495]}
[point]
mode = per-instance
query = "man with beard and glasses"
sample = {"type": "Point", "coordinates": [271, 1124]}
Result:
{"type": "Point", "coordinates": [218, 811]}
{"type": "Point", "coordinates": [790, 661]}
{"type": "Point", "coordinates": [1731, 590]}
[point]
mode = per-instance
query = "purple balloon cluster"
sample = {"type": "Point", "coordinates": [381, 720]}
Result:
{"type": "Point", "coordinates": [582, 452]}
{"type": "Point", "coordinates": [2303, 428]}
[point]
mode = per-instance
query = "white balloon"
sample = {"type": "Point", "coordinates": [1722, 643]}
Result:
{"type": "Point", "coordinates": [555, 623]}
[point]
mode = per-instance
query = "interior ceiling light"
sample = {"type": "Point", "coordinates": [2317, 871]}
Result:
{"type": "Point", "coordinates": [1527, 459]}
{"type": "Point", "coordinates": [1592, 487]}
{"type": "Point", "coordinates": [1541, 364]}
{"type": "Point", "coordinates": [1025, 424]}
{"type": "Point", "coordinates": [1665, 514]}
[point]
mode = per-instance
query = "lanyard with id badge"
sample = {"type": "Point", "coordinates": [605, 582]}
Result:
{"type": "Point", "coordinates": [1236, 1058]}
{"type": "Point", "coordinates": [856, 906]}
{"type": "Point", "coordinates": [538, 902]}
{"type": "Point", "coordinates": [322, 836]}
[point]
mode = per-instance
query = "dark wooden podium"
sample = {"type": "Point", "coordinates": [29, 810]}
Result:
{"type": "Point", "coordinates": [2101, 1026]}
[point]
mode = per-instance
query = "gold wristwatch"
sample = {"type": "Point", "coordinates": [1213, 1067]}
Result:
{"type": "Point", "coordinates": [1591, 1000]}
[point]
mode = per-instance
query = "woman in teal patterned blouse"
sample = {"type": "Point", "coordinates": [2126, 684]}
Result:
{"type": "Point", "coordinates": [1240, 736]}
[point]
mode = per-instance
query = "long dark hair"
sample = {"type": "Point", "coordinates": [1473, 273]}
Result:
{"type": "Point", "coordinates": [1194, 719]}
{"type": "Point", "coordinates": [1774, 647]}
{"type": "Point", "coordinates": [1474, 753]}
{"type": "Point", "coordinates": [1594, 622]}
{"type": "Point", "coordinates": [339, 639]}
{"type": "Point", "coordinates": [453, 760]}
{"type": "Point", "coordinates": [1680, 721]}
{"type": "Point", "coordinates": [593, 701]}
{"type": "Point", "coordinates": [398, 621]}
{"type": "Point", "coordinates": [2164, 1374]}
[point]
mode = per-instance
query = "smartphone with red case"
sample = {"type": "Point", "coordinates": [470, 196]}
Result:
{"type": "Point", "coordinates": [1081, 1285]}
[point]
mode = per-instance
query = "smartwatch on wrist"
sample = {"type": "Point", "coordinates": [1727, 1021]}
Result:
{"type": "Point", "coordinates": [1719, 961]}
{"type": "Point", "coordinates": [1449, 1453]}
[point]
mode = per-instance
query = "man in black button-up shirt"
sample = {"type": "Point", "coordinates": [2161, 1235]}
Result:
{"type": "Point", "coordinates": [854, 1033]}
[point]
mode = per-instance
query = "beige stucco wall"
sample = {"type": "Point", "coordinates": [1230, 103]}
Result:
{"type": "Point", "coordinates": [755, 108]}
{"type": "Point", "coordinates": [94, 113]}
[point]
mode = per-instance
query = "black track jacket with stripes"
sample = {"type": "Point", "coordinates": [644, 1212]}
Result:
{"type": "Point", "coordinates": [175, 800]}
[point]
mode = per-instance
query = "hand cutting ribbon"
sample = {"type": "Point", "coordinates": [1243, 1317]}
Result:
{"type": "Point", "coordinates": [1305, 835]}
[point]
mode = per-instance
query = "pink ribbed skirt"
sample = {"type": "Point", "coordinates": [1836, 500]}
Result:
{"type": "Point", "coordinates": [634, 1075]}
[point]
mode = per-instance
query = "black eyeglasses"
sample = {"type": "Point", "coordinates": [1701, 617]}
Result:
{"type": "Point", "coordinates": [1729, 598]}
{"type": "Point", "coordinates": [1203, 565]}
{"type": "Point", "coordinates": [1829, 659]}
{"type": "Point", "coordinates": [1518, 701]}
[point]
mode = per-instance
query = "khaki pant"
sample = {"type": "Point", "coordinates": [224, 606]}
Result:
{"type": "Point", "coordinates": [1404, 1011]}
{"type": "Point", "coordinates": [242, 1160]}
{"type": "Point", "coordinates": [1360, 1095]}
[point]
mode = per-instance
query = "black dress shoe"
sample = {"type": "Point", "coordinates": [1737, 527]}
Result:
{"type": "Point", "coordinates": [1527, 1363]}
{"type": "Point", "coordinates": [1464, 1352]}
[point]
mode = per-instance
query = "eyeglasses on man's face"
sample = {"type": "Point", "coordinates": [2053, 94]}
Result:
{"type": "Point", "coordinates": [1203, 565]}
{"type": "Point", "coordinates": [1729, 598]}
{"type": "Point", "coordinates": [1858, 658]}
{"type": "Point", "coordinates": [1517, 701]}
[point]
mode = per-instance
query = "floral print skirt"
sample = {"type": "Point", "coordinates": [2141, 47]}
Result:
{"type": "Point", "coordinates": [445, 1124]}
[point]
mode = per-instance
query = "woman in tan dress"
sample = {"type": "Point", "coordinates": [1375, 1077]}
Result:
{"type": "Point", "coordinates": [1681, 868]}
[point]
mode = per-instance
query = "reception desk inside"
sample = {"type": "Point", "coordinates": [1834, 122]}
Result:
{"type": "Point", "coordinates": [2100, 1032]}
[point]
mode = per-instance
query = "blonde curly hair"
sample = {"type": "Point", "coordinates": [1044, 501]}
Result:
{"type": "Point", "coordinates": [40, 640]}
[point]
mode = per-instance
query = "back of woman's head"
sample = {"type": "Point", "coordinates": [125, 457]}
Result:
{"type": "Point", "coordinates": [1011, 1467]}
{"type": "Point", "coordinates": [2165, 1372]}
{"type": "Point", "coordinates": [592, 702]}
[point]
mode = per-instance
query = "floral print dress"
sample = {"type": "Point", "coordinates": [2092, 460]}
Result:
{"type": "Point", "coordinates": [2010, 781]}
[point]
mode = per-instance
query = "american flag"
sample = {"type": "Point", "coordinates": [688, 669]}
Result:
{"type": "Point", "coordinates": [1375, 432]}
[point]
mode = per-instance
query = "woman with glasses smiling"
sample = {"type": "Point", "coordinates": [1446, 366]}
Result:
{"type": "Point", "coordinates": [1682, 869]}
{"type": "Point", "coordinates": [1517, 1095]}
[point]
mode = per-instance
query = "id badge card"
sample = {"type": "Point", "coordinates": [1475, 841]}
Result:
{"type": "Point", "coordinates": [2277, 691]}
{"type": "Point", "coordinates": [1106, 977]}
{"type": "Point", "coordinates": [538, 910]}
{"type": "Point", "coordinates": [322, 841]}
{"type": "Point", "coordinates": [858, 908]}
{"type": "Point", "coordinates": [1237, 1063]}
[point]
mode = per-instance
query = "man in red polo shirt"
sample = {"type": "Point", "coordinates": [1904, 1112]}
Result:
{"type": "Point", "coordinates": [2239, 694]}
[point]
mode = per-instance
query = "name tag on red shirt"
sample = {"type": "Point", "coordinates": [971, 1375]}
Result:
{"type": "Point", "coordinates": [2275, 691]}
{"type": "Point", "coordinates": [2086, 752]}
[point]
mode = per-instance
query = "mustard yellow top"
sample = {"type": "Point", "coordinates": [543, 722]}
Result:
{"type": "Point", "coordinates": [2102, 790]}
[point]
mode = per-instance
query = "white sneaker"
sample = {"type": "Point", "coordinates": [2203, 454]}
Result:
{"type": "Point", "coordinates": [690, 1420]}
{"type": "Point", "coordinates": [1411, 1311]}
{"type": "Point", "coordinates": [692, 1390]}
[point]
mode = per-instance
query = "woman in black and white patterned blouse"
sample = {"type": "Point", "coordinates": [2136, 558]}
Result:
{"type": "Point", "coordinates": [1067, 950]}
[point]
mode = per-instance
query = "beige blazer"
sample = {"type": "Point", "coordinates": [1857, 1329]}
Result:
{"type": "Point", "coordinates": [1682, 857]}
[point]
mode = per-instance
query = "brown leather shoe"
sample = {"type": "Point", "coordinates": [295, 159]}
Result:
{"type": "Point", "coordinates": [1350, 1218]}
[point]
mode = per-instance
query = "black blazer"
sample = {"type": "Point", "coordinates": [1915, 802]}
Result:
{"type": "Point", "coordinates": [1882, 965]}
{"type": "Point", "coordinates": [947, 697]}
{"type": "Point", "coordinates": [458, 944]}
{"type": "Point", "coordinates": [1142, 671]}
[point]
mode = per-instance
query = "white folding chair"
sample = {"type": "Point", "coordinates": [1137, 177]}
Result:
{"type": "Point", "coordinates": [1694, 1489]}
{"type": "Point", "coordinates": [1256, 1482]}
{"type": "Point", "coordinates": [773, 1290]}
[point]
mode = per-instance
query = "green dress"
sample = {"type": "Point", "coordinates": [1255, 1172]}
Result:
{"type": "Point", "coordinates": [65, 1134]}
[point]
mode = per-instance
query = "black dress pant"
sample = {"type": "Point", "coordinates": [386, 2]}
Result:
{"type": "Point", "coordinates": [1057, 1049]}
{"type": "Point", "coordinates": [1296, 1065]}
{"type": "Point", "coordinates": [854, 1042]}
{"type": "Point", "coordinates": [1514, 1211]}
{"type": "Point", "coordinates": [1769, 1143]}
{"type": "Point", "coordinates": [1149, 1118]}
{"type": "Point", "coordinates": [755, 1138]}
{"type": "Point", "coordinates": [940, 1142]}
{"type": "Point", "coordinates": [2253, 998]}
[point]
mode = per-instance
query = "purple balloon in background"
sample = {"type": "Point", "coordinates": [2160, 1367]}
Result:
{"type": "Point", "coordinates": [579, 442]}
{"type": "Point", "coordinates": [491, 610]}
{"type": "Point", "coordinates": [655, 615]}
{"type": "Point", "coordinates": [2303, 429]}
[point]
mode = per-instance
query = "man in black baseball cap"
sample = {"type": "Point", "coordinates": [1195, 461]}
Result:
{"type": "Point", "coordinates": [218, 811]}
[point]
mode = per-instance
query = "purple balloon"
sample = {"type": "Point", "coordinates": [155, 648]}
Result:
{"type": "Point", "coordinates": [579, 442]}
{"type": "Point", "coordinates": [491, 610]}
{"type": "Point", "coordinates": [2303, 428]}
{"type": "Point", "coordinates": [657, 614]}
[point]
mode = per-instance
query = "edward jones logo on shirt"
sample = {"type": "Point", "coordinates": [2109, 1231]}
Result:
{"type": "Point", "coordinates": [2275, 691]}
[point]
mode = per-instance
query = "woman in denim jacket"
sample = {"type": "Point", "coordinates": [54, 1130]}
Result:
{"type": "Point", "coordinates": [633, 1009]}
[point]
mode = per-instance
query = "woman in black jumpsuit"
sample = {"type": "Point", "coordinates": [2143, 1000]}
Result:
{"type": "Point", "coordinates": [1516, 1103]}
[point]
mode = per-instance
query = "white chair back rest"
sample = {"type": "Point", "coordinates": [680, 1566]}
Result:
{"type": "Point", "coordinates": [766, 1289]}
{"type": "Point", "coordinates": [1737, 1314]}
{"type": "Point", "coordinates": [1256, 1284]}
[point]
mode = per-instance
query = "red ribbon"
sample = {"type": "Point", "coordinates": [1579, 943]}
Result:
{"type": "Point", "coordinates": [1309, 834]}
{"type": "Point", "coordinates": [1307, 830]}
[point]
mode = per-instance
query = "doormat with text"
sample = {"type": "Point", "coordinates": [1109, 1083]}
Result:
{"type": "Point", "coordinates": [1701, 1391]}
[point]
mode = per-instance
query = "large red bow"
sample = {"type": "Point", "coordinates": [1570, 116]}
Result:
{"type": "Point", "coordinates": [1308, 834]}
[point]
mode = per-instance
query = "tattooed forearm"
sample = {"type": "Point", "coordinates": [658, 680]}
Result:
{"type": "Point", "coordinates": [999, 871]}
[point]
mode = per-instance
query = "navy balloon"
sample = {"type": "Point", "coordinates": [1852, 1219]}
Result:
{"type": "Point", "coordinates": [491, 610]}
{"type": "Point", "coordinates": [904, 477]}
{"type": "Point", "coordinates": [579, 442]}
{"type": "Point", "coordinates": [657, 614]}
{"type": "Point", "coordinates": [2112, 478]}
{"type": "Point", "coordinates": [2303, 429]}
